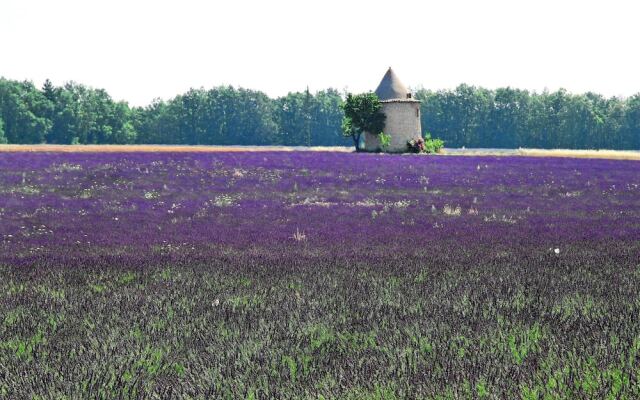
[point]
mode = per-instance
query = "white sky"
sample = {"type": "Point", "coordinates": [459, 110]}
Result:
{"type": "Point", "coordinates": [141, 49]}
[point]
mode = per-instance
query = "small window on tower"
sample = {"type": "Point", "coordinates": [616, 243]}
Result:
{"type": "Point", "coordinates": [408, 95]}
{"type": "Point", "coordinates": [418, 112]}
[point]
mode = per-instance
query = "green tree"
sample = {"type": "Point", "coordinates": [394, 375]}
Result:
{"type": "Point", "coordinates": [362, 113]}
{"type": "Point", "coordinates": [23, 109]}
{"type": "Point", "coordinates": [155, 124]}
{"type": "Point", "coordinates": [631, 124]}
{"type": "Point", "coordinates": [460, 117]}
{"type": "Point", "coordinates": [292, 117]}
{"type": "Point", "coordinates": [307, 103]}
{"type": "Point", "coordinates": [3, 139]}
{"type": "Point", "coordinates": [254, 121]}
{"type": "Point", "coordinates": [465, 116]}
{"type": "Point", "coordinates": [508, 117]}
{"type": "Point", "coordinates": [326, 119]}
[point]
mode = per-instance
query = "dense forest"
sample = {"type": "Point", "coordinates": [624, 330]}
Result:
{"type": "Point", "coordinates": [466, 116]}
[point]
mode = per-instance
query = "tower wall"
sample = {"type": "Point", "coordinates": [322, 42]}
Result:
{"type": "Point", "coordinates": [402, 123]}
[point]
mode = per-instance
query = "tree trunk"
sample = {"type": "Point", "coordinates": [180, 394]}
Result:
{"type": "Point", "coordinates": [356, 141]}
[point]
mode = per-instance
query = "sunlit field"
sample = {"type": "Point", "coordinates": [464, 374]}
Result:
{"type": "Point", "coordinates": [162, 148]}
{"type": "Point", "coordinates": [318, 275]}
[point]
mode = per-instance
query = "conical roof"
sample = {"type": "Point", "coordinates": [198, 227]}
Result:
{"type": "Point", "coordinates": [390, 87]}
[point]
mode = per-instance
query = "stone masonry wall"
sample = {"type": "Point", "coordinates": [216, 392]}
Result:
{"type": "Point", "coordinates": [402, 123]}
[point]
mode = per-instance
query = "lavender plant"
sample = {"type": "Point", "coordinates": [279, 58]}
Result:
{"type": "Point", "coordinates": [264, 275]}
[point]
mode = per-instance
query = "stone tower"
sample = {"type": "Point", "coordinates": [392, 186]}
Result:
{"type": "Point", "coordinates": [403, 115]}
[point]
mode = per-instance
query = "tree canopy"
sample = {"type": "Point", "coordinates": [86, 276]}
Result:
{"type": "Point", "coordinates": [362, 113]}
{"type": "Point", "coordinates": [508, 118]}
{"type": "Point", "coordinates": [465, 116]}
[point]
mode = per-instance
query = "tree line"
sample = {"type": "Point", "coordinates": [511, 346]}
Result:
{"type": "Point", "coordinates": [465, 116]}
{"type": "Point", "coordinates": [509, 118]}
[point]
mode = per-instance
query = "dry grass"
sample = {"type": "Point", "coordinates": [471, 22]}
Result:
{"type": "Point", "coordinates": [99, 148]}
{"type": "Point", "coordinates": [609, 154]}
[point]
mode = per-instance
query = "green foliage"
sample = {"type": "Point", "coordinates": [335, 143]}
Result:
{"type": "Point", "coordinates": [292, 367]}
{"type": "Point", "coordinates": [357, 341]}
{"type": "Point", "coordinates": [510, 118]}
{"type": "Point", "coordinates": [98, 288]}
{"type": "Point", "coordinates": [422, 277]}
{"type": "Point", "coordinates": [77, 114]}
{"type": "Point", "coordinates": [13, 316]}
{"type": "Point", "coordinates": [126, 278]}
{"type": "Point", "coordinates": [244, 301]}
{"type": "Point", "coordinates": [362, 113]}
{"type": "Point", "coordinates": [523, 342]}
{"type": "Point", "coordinates": [378, 392]}
{"type": "Point", "coordinates": [385, 140]}
{"type": "Point", "coordinates": [24, 349]}
{"type": "Point", "coordinates": [432, 145]}
{"type": "Point", "coordinates": [528, 393]}
{"type": "Point", "coordinates": [3, 139]}
{"type": "Point", "coordinates": [226, 116]}
{"type": "Point", "coordinates": [23, 110]}
{"type": "Point", "coordinates": [320, 337]}
{"type": "Point", "coordinates": [422, 343]}
{"type": "Point", "coordinates": [481, 389]}
{"type": "Point", "coordinates": [466, 116]}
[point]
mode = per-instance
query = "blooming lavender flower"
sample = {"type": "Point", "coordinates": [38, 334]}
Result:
{"type": "Point", "coordinates": [292, 275]}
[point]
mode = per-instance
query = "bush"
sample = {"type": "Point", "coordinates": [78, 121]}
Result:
{"type": "Point", "coordinates": [432, 145]}
{"type": "Point", "coordinates": [385, 140]}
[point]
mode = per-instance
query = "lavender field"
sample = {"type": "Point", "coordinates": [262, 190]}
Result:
{"type": "Point", "coordinates": [318, 275]}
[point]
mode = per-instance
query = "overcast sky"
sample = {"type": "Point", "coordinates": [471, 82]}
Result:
{"type": "Point", "coordinates": [141, 49]}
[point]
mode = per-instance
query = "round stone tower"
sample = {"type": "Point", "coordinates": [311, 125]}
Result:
{"type": "Point", "coordinates": [403, 115]}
